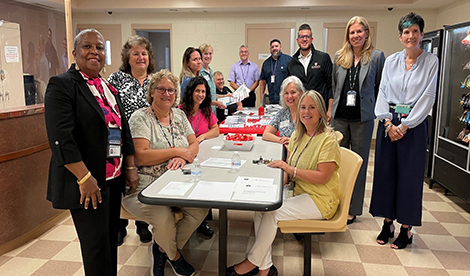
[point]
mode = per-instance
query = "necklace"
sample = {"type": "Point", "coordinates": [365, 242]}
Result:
{"type": "Point", "coordinates": [163, 131]}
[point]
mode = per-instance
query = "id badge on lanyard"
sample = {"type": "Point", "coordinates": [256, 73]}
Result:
{"type": "Point", "coordinates": [403, 109]}
{"type": "Point", "coordinates": [114, 143]}
{"type": "Point", "coordinates": [351, 98]}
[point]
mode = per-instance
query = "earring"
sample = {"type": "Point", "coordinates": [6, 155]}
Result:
{"type": "Point", "coordinates": [77, 67]}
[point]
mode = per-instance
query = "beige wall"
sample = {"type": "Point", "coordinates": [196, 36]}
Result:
{"type": "Point", "coordinates": [453, 14]}
{"type": "Point", "coordinates": [226, 31]}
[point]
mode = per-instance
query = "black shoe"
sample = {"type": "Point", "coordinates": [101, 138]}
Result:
{"type": "Point", "coordinates": [386, 233]}
{"type": "Point", "coordinates": [231, 272]}
{"type": "Point", "coordinates": [298, 237]}
{"type": "Point", "coordinates": [144, 234]}
{"type": "Point", "coordinates": [350, 221]}
{"type": "Point", "coordinates": [121, 234]}
{"type": "Point", "coordinates": [158, 260]}
{"type": "Point", "coordinates": [205, 229]}
{"type": "Point", "coordinates": [181, 267]}
{"type": "Point", "coordinates": [403, 240]}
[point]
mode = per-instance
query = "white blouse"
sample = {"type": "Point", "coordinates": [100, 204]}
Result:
{"type": "Point", "coordinates": [416, 87]}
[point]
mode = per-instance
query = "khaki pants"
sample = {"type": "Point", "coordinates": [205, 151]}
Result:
{"type": "Point", "coordinates": [169, 235]}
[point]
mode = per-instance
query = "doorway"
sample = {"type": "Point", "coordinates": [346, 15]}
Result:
{"type": "Point", "coordinates": [258, 37]}
{"type": "Point", "coordinates": [160, 37]}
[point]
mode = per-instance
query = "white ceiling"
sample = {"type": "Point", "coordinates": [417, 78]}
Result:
{"type": "Point", "coordinates": [238, 5]}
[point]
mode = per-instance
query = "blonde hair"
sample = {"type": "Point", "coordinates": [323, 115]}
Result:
{"type": "Point", "coordinates": [345, 54]}
{"type": "Point", "coordinates": [155, 80]}
{"type": "Point", "coordinates": [322, 126]}
{"type": "Point", "coordinates": [204, 47]}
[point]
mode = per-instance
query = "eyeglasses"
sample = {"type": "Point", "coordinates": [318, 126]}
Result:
{"type": "Point", "coordinates": [162, 90]}
{"type": "Point", "coordinates": [304, 36]}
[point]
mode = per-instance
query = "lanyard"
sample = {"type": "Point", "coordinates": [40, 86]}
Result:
{"type": "Point", "coordinates": [197, 122]}
{"type": "Point", "coordinates": [353, 81]}
{"type": "Point", "coordinates": [300, 154]}
{"type": "Point", "coordinates": [273, 70]}
{"type": "Point", "coordinates": [244, 73]}
{"type": "Point", "coordinates": [163, 130]}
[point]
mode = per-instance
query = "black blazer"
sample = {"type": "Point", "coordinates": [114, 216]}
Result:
{"type": "Point", "coordinates": [77, 131]}
{"type": "Point", "coordinates": [369, 82]}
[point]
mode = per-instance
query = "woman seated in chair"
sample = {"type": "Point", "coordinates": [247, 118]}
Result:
{"type": "Point", "coordinates": [312, 168]}
{"type": "Point", "coordinates": [291, 91]}
{"type": "Point", "coordinates": [163, 140]}
{"type": "Point", "coordinates": [196, 104]}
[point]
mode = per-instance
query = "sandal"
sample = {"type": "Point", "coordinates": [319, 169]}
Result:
{"type": "Point", "coordinates": [386, 233]}
{"type": "Point", "coordinates": [403, 240]}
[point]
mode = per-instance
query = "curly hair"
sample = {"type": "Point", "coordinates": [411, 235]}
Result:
{"type": "Point", "coordinates": [155, 80]}
{"type": "Point", "coordinates": [126, 52]}
{"type": "Point", "coordinates": [187, 102]}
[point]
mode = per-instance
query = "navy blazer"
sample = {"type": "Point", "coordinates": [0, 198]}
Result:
{"type": "Point", "coordinates": [77, 131]}
{"type": "Point", "coordinates": [369, 83]}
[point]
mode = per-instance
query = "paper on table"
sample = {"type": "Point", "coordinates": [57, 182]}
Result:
{"type": "Point", "coordinates": [223, 163]}
{"type": "Point", "coordinates": [255, 189]}
{"type": "Point", "coordinates": [212, 190]}
{"type": "Point", "coordinates": [176, 188]}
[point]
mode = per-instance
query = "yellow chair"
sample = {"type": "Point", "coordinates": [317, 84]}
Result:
{"type": "Point", "coordinates": [350, 165]}
{"type": "Point", "coordinates": [339, 136]}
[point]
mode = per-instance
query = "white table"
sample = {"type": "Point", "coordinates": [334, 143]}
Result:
{"type": "Point", "coordinates": [268, 150]}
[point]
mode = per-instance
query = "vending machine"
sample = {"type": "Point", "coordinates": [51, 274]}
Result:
{"type": "Point", "coordinates": [11, 66]}
{"type": "Point", "coordinates": [451, 166]}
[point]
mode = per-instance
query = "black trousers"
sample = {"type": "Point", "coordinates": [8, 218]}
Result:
{"type": "Point", "coordinates": [97, 231]}
{"type": "Point", "coordinates": [397, 192]}
{"type": "Point", "coordinates": [250, 101]}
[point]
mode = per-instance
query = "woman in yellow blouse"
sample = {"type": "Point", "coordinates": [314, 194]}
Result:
{"type": "Point", "coordinates": [312, 168]}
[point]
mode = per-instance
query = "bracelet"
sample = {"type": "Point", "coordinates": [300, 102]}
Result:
{"type": "Point", "coordinates": [131, 168]}
{"type": "Point", "coordinates": [84, 179]}
{"type": "Point", "coordinates": [387, 129]}
{"type": "Point", "coordinates": [400, 127]}
{"type": "Point", "coordinates": [295, 171]}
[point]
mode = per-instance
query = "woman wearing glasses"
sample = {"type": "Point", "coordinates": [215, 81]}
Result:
{"type": "Point", "coordinates": [163, 140]}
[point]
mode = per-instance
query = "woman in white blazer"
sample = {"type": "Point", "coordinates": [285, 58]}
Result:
{"type": "Point", "coordinates": [357, 71]}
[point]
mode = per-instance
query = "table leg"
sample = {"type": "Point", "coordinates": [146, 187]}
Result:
{"type": "Point", "coordinates": [222, 241]}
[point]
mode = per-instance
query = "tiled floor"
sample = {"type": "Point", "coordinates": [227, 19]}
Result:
{"type": "Point", "coordinates": [440, 247]}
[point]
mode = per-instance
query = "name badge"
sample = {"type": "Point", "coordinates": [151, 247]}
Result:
{"type": "Point", "coordinates": [273, 78]}
{"type": "Point", "coordinates": [402, 108]}
{"type": "Point", "coordinates": [284, 124]}
{"type": "Point", "coordinates": [351, 98]}
{"type": "Point", "coordinates": [114, 143]}
{"type": "Point", "coordinates": [207, 78]}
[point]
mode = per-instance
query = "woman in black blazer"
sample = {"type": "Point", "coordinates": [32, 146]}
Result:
{"type": "Point", "coordinates": [357, 71]}
{"type": "Point", "coordinates": [92, 152]}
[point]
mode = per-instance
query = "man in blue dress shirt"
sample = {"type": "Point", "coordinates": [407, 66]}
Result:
{"type": "Point", "coordinates": [244, 72]}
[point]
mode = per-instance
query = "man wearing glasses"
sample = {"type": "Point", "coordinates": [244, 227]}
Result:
{"type": "Point", "coordinates": [312, 67]}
